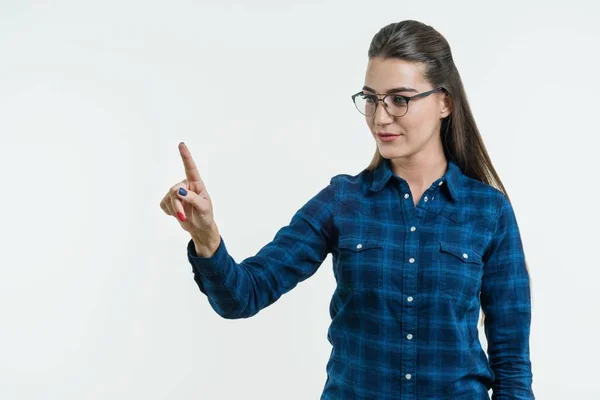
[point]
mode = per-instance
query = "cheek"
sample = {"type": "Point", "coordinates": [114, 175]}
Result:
{"type": "Point", "coordinates": [419, 122]}
{"type": "Point", "coordinates": [411, 125]}
{"type": "Point", "coordinates": [370, 123]}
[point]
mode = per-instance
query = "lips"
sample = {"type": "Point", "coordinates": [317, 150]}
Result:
{"type": "Point", "coordinates": [387, 134]}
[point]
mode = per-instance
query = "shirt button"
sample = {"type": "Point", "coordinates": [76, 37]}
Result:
{"type": "Point", "coordinates": [412, 229]}
{"type": "Point", "coordinates": [425, 199]}
{"type": "Point", "coordinates": [408, 376]}
{"type": "Point", "coordinates": [406, 196]}
{"type": "Point", "coordinates": [440, 184]}
{"type": "Point", "coordinates": [359, 246]}
{"type": "Point", "coordinates": [409, 336]}
{"type": "Point", "coordinates": [465, 255]}
{"type": "Point", "coordinates": [409, 298]}
{"type": "Point", "coordinates": [411, 260]}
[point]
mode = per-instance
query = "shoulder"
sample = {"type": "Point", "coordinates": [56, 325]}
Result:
{"type": "Point", "coordinates": [353, 182]}
{"type": "Point", "coordinates": [346, 178]}
{"type": "Point", "coordinates": [484, 197]}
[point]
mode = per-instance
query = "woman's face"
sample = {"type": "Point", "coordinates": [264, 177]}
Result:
{"type": "Point", "coordinates": [419, 128]}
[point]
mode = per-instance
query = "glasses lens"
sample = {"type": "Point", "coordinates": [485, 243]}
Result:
{"type": "Point", "coordinates": [365, 104]}
{"type": "Point", "coordinates": [396, 105]}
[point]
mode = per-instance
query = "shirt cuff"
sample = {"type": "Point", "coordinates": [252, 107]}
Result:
{"type": "Point", "coordinates": [207, 266]}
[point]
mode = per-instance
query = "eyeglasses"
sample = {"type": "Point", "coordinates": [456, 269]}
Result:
{"type": "Point", "coordinates": [397, 106]}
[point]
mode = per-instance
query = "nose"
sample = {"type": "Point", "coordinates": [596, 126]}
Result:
{"type": "Point", "coordinates": [381, 116]}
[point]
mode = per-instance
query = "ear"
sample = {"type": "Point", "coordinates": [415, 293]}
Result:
{"type": "Point", "coordinates": [445, 105]}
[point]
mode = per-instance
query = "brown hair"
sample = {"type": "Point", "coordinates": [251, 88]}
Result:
{"type": "Point", "coordinates": [415, 41]}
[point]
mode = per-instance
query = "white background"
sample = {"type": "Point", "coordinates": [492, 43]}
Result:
{"type": "Point", "coordinates": [97, 299]}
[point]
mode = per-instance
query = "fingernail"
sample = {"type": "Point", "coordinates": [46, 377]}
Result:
{"type": "Point", "coordinates": [182, 191]}
{"type": "Point", "coordinates": [181, 217]}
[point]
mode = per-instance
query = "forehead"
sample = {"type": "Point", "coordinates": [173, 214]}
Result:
{"type": "Point", "coordinates": [386, 73]}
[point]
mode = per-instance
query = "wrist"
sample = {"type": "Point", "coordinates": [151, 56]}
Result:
{"type": "Point", "coordinates": [207, 244]}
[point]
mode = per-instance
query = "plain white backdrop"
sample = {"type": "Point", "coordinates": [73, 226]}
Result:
{"type": "Point", "coordinates": [97, 299]}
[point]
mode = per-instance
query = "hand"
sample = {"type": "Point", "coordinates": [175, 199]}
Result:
{"type": "Point", "coordinates": [194, 210]}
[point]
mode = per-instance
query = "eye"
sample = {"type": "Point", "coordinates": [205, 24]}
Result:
{"type": "Point", "coordinates": [399, 100]}
{"type": "Point", "coordinates": [369, 98]}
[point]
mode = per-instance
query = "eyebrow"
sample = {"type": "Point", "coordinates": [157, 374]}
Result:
{"type": "Point", "coordinates": [394, 90]}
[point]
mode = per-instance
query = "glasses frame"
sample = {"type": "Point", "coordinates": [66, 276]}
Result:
{"type": "Point", "coordinates": [407, 98]}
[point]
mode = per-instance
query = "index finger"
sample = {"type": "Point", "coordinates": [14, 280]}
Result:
{"type": "Point", "coordinates": [191, 172]}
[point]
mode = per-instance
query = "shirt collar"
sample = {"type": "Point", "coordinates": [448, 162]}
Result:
{"type": "Point", "coordinates": [383, 173]}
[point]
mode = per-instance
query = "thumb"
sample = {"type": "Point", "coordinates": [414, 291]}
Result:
{"type": "Point", "coordinates": [188, 196]}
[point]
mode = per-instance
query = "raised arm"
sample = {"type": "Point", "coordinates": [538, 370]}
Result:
{"type": "Point", "coordinates": [240, 290]}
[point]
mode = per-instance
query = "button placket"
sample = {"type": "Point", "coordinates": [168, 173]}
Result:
{"type": "Point", "coordinates": [412, 216]}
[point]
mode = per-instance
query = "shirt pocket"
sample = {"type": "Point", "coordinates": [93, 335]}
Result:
{"type": "Point", "coordinates": [461, 270]}
{"type": "Point", "coordinates": [360, 264]}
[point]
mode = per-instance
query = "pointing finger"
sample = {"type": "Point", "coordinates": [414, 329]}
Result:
{"type": "Point", "coordinates": [191, 171]}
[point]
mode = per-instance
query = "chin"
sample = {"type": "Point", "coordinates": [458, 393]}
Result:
{"type": "Point", "coordinates": [393, 153]}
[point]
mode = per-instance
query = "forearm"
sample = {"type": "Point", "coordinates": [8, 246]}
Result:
{"type": "Point", "coordinates": [508, 350]}
{"type": "Point", "coordinates": [240, 290]}
{"type": "Point", "coordinates": [215, 275]}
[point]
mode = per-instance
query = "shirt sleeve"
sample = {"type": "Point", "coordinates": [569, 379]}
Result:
{"type": "Point", "coordinates": [240, 290]}
{"type": "Point", "coordinates": [506, 303]}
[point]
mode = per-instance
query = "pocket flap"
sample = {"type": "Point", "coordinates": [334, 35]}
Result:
{"type": "Point", "coordinates": [358, 244]}
{"type": "Point", "coordinates": [463, 253]}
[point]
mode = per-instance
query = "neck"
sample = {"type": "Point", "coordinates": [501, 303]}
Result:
{"type": "Point", "coordinates": [420, 171]}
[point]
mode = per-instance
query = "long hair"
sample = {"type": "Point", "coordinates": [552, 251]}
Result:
{"type": "Point", "coordinates": [415, 41]}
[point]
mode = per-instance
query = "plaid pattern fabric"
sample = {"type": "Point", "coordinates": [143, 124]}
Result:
{"type": "Point", "coordinates": [410, 283]}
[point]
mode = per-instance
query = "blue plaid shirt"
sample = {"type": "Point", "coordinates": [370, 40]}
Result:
{"type": "Point", "coordinates": [410, 282]}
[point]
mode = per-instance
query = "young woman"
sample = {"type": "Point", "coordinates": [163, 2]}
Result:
{"type": "Point", "coordinates": [421, 239]}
